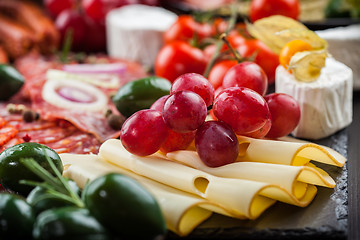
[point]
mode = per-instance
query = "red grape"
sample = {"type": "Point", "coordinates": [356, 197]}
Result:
{"type": "Point", "coordinates": [243, 109]}
{"type": "Point", "coordinates": [261, 132]}
{"type": "Point", "coordinates": [94, 9]}
{"type": "Point", "coordinates": [247, 74]}
{"type": "Point", "coordinates": [216, 143]}
{"type": "Point", "coordinates": [55, 7]}
{"type": "Point", "coordinates": [177, 141]}
{"type": "Point", "coordinates": [150, 2]}
{"type": "Point", "coordinates": [159, 104]}
{"type": "Point", "coordinates": [196, 83]}
{"type": "Point", "coordinates": [143, 132]}
{"type": "Point", "coordinates": [72, 19]}
{"type": "Point", "coordinates": [96, 38]}
{"type": "Point", "coordinates": [184, 111]}
{"type": "Point", "coordinates": [285, 114]}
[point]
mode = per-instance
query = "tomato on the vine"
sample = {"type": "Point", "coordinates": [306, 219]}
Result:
{"type": "Point", "coordinates": [218, 71]}
{"type": "Point", "coordinates": [264, 57]}
{"type": "Point", "coordinates": [178, 58]}
{"type": "Point", "coordinates": [265, 8]}
{"type": "Point", "coordinates": [186, 29]}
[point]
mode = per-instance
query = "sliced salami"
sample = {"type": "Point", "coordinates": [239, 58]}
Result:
{"type": "Point", "coordinates": [53, 99]}
{"type": "Point", "coordinates": [7, 132]}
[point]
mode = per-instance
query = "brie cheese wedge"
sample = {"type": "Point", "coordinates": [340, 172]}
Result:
{"type": "Point", "coordinates": [326, 104]}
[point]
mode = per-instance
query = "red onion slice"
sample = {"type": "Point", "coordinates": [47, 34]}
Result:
{"type": "Point", "coordinates": [75, 95]}
{"type": "Point", "coordinates": [106, 68]}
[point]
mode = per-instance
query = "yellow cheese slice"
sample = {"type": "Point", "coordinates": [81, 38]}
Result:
{"type": "Point", "coordinates": [294, 179]}
{"type": "Point", "coordinates": [182, 211]}
{"type": "Point", "coordinates": [286, 152]}
{"type": "Point", "coordinates": [241, 197]}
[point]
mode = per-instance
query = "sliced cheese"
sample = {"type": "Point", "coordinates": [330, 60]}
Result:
{"type": "Point", "coordinates": [325, 104]}
{"type": "Point", "coordinates": [182, 211]}
{"type": "Point", "coordinates": [293, 178]}
{"type": "Point", "coordinates": [242, 197]}
{"type": "Point", "coordinates": [291, 153]}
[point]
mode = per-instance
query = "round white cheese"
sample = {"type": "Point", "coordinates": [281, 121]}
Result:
{"type": "Point", "coordinates": [135, 32]}
{"type": "Point", "coordinates": [326, 104]}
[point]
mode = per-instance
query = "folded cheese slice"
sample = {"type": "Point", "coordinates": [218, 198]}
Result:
{"type": "Point", "coordinates": [182, 211]}
{"type": "Point", "coordinates": [287, 152]}
{"type": "Point", "coordinates": [242, 197]}
{"type": "Point", "coordinates": [294, 179]}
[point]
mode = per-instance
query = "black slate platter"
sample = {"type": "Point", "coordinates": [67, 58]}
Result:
{"type": "Point", "coordinates": [325, 218]}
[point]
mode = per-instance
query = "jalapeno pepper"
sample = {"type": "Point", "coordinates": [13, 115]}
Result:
{"type": "Point", "coordinates": [123, 206]}
{"type": "Point", "coordinates": [140, 94]}
{"type": "Point", "coordinates": [17, 217]}
{"type": "Point", "coordinates": [10, 81]}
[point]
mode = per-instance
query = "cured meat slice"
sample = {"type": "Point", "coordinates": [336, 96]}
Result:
{"type": "Point", "coordinates": [11, 142]}
{"type": "Point", "coordinates": [2, 122]}
{"type": "Point", "coordinates": [7, 132]}
{"type": "Point", "coordinates": [60, 135]}
{"type": "Point", "coordinates": [48, 135]}
{"type": "Point", "coordinates": [83, 117]}
{"type": "Point", "coordinates": [79, 142]}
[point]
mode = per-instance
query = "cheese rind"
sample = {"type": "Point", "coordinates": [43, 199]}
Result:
{"type": "Point", "coordinates": [135, 32]}
{"type": "Point", "coordinates": [325, 104]}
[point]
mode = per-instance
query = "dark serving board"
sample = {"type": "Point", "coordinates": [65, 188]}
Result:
{"type": "Point", "coordinates": [334, 213]}
{"type": "Point", "coordinates": [325, 218]}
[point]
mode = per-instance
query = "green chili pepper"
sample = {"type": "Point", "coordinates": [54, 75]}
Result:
{"type": "Point", "coordinates": [124, 207]}
{"type": "Point", "coordinates": [12, 170]}
{"type": "Point", "coordinates": [140, 94]}
{"type": "Point", "coordinates": [10, 81]}
{"type": "Point", "coordinates": [68, 223]}
{"type": "Point", "coordinates": [16, 217]}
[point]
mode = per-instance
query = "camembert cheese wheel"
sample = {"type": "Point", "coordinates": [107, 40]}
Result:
{"type": "Point", "coordinates": [326, 104]}
{"type": "Point", "coordinates": [135, 32]}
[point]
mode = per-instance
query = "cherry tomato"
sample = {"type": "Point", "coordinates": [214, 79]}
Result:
{"type": "Point", "coordinates": [265, 8]}
{"type": "Point", "coordinates": [186, 28]}
{"type": "Point", "coordinates": [178, 58]}
{"type": "Point", "coordinates": [264, 57]}
{"type": "Point", "coordinates": [218, 71]}
{"type": "Point", "coordinates": [290, 49]}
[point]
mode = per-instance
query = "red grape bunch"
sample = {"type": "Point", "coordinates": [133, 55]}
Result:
{"type": "Point", "coordinates": [174, 121]}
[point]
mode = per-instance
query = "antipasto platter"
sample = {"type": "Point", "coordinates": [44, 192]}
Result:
{"type": "Point", "coordinates": [238, 132]}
